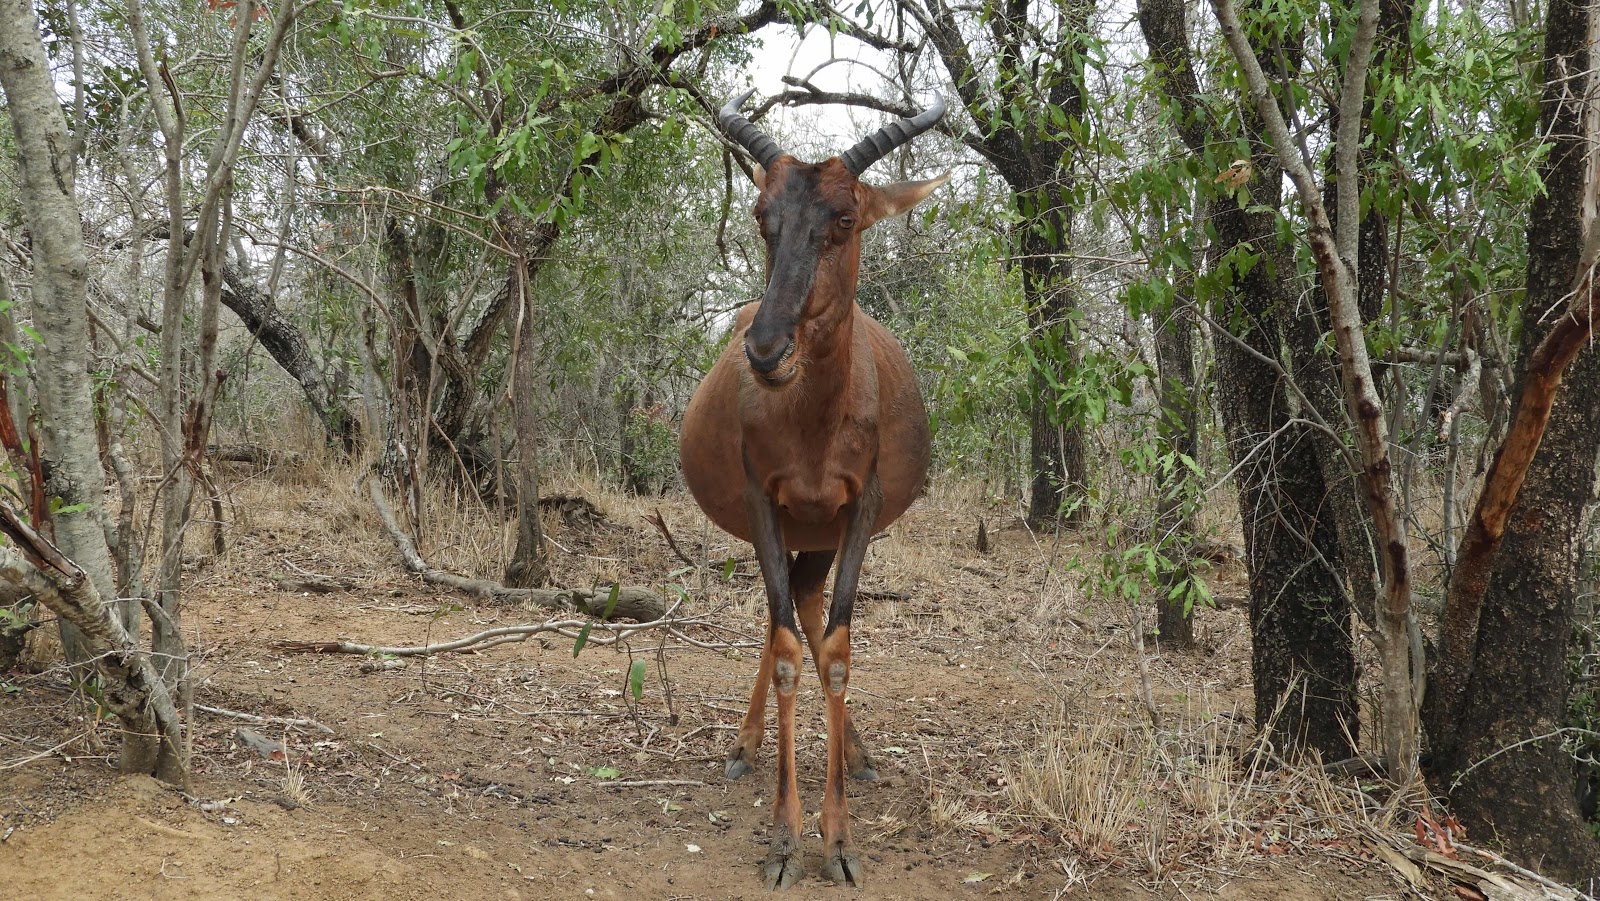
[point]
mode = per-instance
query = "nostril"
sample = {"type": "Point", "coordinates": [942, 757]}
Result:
{"type": "Point", "coordinates": [766, 363]}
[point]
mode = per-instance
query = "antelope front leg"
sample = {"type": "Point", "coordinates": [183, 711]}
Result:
{"type": "Point", "coordinates": [807, 577]}
{"type": "Point", "coordinates": [782, 868]}
{"type": "Point", "coordinates": [840, 862]}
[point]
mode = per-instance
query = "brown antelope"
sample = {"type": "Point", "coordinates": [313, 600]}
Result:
{"type": "Point", "coordinates": [809, 435]}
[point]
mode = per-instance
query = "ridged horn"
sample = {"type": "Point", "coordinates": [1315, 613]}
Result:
{"type": "Point", "coordinates": [877, 145]}
{"type": "Point", "coordinates": [745, 134]}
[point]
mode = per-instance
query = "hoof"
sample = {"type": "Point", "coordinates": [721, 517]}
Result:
{"type": "Point", "coordinates": [782, 868]}
{"type": "Point", "coordinates": [865, 774]}
{"type": "Point", "coordinates": [843, 866]}
{"type": "Point", "coordinates": [737, 765]}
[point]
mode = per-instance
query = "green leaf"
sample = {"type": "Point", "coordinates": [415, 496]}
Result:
{"type": "Point", "coordinates": [583, 639]}
{"type": "Point", "coordinates": [636, 679]}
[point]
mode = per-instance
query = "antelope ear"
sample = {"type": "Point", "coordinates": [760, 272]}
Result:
{"type": "Point", "coordinates": [900, 197]}
{"type": "Point", "coordinates": [759, 176]}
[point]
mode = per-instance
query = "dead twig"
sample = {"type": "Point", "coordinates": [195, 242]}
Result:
{"type": "Point", "coordinates": [599, 633]}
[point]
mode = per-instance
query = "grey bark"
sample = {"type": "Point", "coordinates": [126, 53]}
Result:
{"type": "Point", "coordinates": [45, 164]}
{"type": "Point", "coordinates": [530, 562]}
{"type": "Point", "coordinates": [79, 588]}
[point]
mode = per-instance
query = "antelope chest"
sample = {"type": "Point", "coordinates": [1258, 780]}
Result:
{"type": "Point", "coordinates": [812, 475]}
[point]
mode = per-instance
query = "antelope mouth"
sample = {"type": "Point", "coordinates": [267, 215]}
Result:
{"type": "Point", "coordinates": [783, 373]}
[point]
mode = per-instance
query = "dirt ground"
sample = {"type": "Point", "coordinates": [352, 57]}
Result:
{"type": "Point", "coordinates": [483, 775]}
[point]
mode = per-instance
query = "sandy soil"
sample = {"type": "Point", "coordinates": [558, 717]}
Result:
{"type": "Point", "coordinates": [480, 775]}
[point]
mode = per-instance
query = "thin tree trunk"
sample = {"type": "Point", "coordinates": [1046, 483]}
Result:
{"type": "Point", "coordinates": [1179, 428]}
{"type": "Point", "coordinates": [530, 562]}
{"type": "Point", "coordinates": [1056, 454]}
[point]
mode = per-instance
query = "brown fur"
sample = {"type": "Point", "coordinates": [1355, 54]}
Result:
{"type": "Point", "coordinates": [852, 402]}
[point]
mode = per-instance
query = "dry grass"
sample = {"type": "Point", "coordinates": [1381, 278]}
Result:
{"type": "Point", "coordinates": [1194, 792]}
{"type": "Point", "coordinates": [1088, 780]}
{"type": "Point", "coordinates": [295, 789]}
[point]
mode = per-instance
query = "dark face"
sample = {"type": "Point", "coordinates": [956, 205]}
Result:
{"type": "Point", "coordinates": [810, 218]}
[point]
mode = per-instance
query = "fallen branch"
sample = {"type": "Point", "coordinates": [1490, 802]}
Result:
{"type": "Point", "coordinates": [1556, 887]}
{"type": "Point", "coordinates": [637, 604]}
{"type": "Point", "coordinates": [14, 764]}
{"type": "Point", "coordinates": [600, 633]}
{"type": "Point", "coordinates": [253, 454]}
{"type": "Point", "coordinates": [652, 783]}
{"type": "Point", "coordinates": [264, 720]}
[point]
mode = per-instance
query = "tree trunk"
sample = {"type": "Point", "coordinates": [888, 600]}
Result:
{"type": "Point", "coordinates": [1302, 650]}
{"type": "Point", "coordinates": [283, 339]}
{"type": "Point", "coordinates": [1303, 654]}
{"type": "Point", "coordinates": [1499, 694]}
{"type": "Point", "coordinates": [530, 562]}
{"type": "Point", "coordinates": [1036, 160]}
{"type": "Point", "coordinates": [1179, 429]}
{"type": "Point", "coordinates": [60, 272]}
{"type": "Point", "coordinates": [1337, 255]}
{"type": "Point", "coordinates": [1056, 458]}
{"type": "Point", "coordinates": [1523, 794]}
{"type": "Point", "coordinates": [45, 165]}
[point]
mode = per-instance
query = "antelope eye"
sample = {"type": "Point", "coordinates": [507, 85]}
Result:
{"type": "Point", "coordinates": [847, 221]}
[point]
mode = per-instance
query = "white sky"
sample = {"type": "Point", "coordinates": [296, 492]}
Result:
{"type": "Point", "coordinates": [820, 130]}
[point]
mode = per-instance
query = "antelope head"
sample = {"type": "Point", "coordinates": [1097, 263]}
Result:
{"type": "Point", "coordinates": [811, 216]}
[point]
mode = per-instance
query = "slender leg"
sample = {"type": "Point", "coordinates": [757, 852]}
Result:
{"type": "Point", "coordinates": [782, 867]}
{"type": "Point", "coordinates": [742, 756]}
{"type": "Point", "coordinates": [806, 578]}
{"type": "Point", "coordinates": [839, 858]}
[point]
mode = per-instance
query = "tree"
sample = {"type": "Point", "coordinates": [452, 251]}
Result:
{"type": "Point", "coordinates": [1497, 699]}
{"type": "Point", "coordinates": [1302, 648]}
{"type": "Point", "coordinates": [77, 581]}
{"type": "Point", "coordinates": [1026, 99]}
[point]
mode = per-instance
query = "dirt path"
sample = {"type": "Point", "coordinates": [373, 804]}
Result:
{"type": "Point", "coordinates": [481, 776]}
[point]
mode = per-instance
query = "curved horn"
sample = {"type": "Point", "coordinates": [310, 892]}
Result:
{"type": "Point", "coordinates": [887, 138]}
{"type": "Point", "coordinates": [746, 135]}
